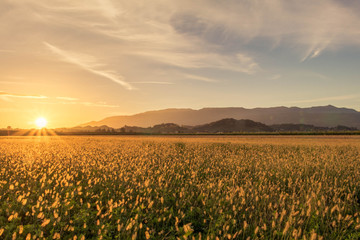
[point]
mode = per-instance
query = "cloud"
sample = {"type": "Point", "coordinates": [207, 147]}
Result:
{"type": "Point", "coordinates": [61, 100]}
{"type": "Point", "coordinates": [200, 78]}
{"type": "Point", "coordinates": [305, 26]}
{"type": "Point", "coordinates": [99, 104]}
{"type": "Point", "coordinates": [76, 101]}
{"type": "Point", "coordinates": [13, 83]}
{"type": "Point", "coordinates": [67, 98]}
{"type": "Point", "coordinates": [14, 95]}
{"type": "Point", "coordinates": [275, 77]}
{"type": "Point", "coordinates": [140, 30]}
{"type": "Point", "coordinates": [162, 83]}
{"type": "Point", "coordinates": [237, 63]}
{"type": "Point", "coordinates": [108, 9]}
{"type": "Point", "coordinates": [308, 27]}
{"type": "Point", "coordinates": [89, 64]}
{"type": "Point", "coordinates": [136, 38]}
{"type": "Point", "coordinates": [88, 104]}
{"type": "Point", "coordinates": [327, 99]}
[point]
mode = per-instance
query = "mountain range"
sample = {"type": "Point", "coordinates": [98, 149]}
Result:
{"type": "Point", "coordinates": [227, 125]}
{"type": "Point", "coordinates": [322, 116]}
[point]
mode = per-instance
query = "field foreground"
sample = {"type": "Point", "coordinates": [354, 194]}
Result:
{"type": "Point", "coordinates": [180, 187]}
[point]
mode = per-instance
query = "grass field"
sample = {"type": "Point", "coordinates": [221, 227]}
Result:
{"type": "Point", "coordinates": [270, 187]}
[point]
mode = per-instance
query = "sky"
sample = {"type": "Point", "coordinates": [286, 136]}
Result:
{"type": "Point", "coordinates": [72, 62]}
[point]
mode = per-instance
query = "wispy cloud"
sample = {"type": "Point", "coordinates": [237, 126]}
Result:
{"type": "Point", "coordinates": [15, 80]}
{"type": "Point", "coordinates": [15, 95]}
{"type": "Point", "coordinates": [327, 99]}
{"type": "Point", "coordinates": [99, 104]}
{"type": "Point", "coordinates": [108, 9]}
{"type": "Point", "coordinates": [315, 51]}
{"type": "Point", "coordinates": [89, 64]}
{"type": "Point", "coordinates": [275, 77]}
{"type": "Point", "coordinates": [152, 82]}
{"type": "Point", "coordinates": [12, 83]}
{"type": "Point", "coordinates": [200, 78]}
{"type": "Point", "coordinates": [67, 98]}
{"type": "Point", "coordinates": [148, 32]}
{"type": "Point", "coordinates": [237, 63]}
{"type": "Point", "coordinates": [85, 103]}
{"type": "Point", "coordinates": [305, 26]}
{"type": "Point", "coordinates": [56, 100]}
{"type": "Point", "coordinates": [77, 101]}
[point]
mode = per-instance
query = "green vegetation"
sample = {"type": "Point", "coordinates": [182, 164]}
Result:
{"type": "Point", "coordinates": [167, 188]}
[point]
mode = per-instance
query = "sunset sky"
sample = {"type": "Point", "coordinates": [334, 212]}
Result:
{"type": "Point", "coordinates": [77, 61]}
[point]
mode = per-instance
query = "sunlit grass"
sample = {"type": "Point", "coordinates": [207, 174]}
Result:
{"type": "Point", "coordinates": [164, 188]}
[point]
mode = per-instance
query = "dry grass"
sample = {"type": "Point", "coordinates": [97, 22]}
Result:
{"type": "Point", "coordinates": [188, 187]}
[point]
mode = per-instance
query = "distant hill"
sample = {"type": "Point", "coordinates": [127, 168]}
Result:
{"type": "Point", "coordinates": [229, 125]}
{"type": "Point", "coordinates": [168, 128]}
{"type": "Point", "coordinates": [87, 128]}
{"type": "Point", "coordinates": [323, 116]}
{"type": "Point", "coordinates": [160, 128]}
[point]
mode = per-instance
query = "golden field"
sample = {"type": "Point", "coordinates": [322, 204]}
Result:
{"type": "Point", "coordinates": [200, 187]}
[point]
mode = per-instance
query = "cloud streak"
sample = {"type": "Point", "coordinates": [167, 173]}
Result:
{"type": "Point", "coordinates": [200, 78]}
{"type": "Point", "coordinates": [57, 100]}
{"type": "Point", "coordinates": [327, 99]}
{"type": "Point", "coordinates": [161, 83]}
{"type": "Point", "coordinates": [276, 77]}
{"type": "Point", "coordinates": [67, 98]}
{"type": "Point", "coordinates": [14, 95]}
{"type": "Point", "coordinates": [89, 64]}
{"type": "Point", "coordinates": [238, 63]}
{"type": "Point", "coordinates": [100, 104]}
{"type": "Point", "coordinates": [68, 101]}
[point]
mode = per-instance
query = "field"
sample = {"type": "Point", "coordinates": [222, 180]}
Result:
{"type": "Point", "coordinates": [276, 187]}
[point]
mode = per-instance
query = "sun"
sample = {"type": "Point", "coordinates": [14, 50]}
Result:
{"type": "Point", "coordinates": [41, 122]}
